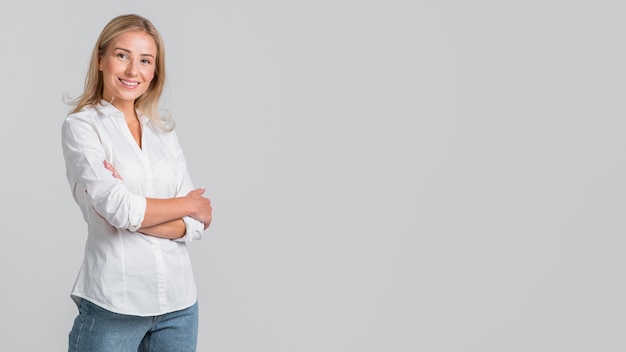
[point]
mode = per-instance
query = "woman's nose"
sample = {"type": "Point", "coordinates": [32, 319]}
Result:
{"type": "Point", "coordinates": [131, 68]}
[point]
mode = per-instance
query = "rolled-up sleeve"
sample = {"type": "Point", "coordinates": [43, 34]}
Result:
{"type": "Point", "coordinates": [193, 230]}
{"type": "Point", "coordinates": [84, 155]}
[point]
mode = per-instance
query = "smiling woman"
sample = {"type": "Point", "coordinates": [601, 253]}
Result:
{"type": "Point", "coordinates": [135, 289]}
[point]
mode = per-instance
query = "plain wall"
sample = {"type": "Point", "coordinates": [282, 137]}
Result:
{"type": "Point", "coordinates": [386, 175]}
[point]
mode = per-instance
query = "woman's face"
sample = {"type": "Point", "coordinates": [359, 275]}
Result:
{"type": "Point", "coordinates": [128, 67]}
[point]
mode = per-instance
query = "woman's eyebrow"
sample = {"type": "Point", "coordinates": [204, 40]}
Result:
{"type": "Point", "coordinates": [130, 52]}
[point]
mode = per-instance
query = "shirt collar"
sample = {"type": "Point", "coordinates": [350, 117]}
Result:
{"type": "Point", "coordinates": [108, 109]}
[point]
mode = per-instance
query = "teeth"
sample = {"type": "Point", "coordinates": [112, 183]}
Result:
{"type": "Point", "coordinates": [129, 83]}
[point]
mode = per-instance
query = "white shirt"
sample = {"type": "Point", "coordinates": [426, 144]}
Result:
{"type": "Point", "coordinates": [123, 270]}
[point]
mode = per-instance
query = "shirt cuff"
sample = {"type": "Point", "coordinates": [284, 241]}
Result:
{"type": "Point", "coordinates": [193, 230]}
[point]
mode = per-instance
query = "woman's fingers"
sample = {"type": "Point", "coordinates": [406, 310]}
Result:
{"type": "Point", "coordinates": [108, 166]}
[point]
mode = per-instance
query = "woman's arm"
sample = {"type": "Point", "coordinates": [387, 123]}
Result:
{"type": "Point", "coordinates": [193, 205]}
{"type": "Point", "coordinates": [172, 230]}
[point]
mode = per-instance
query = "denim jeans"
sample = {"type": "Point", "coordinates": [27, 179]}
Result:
{"type": "Point", "coordinates": [96, 329]}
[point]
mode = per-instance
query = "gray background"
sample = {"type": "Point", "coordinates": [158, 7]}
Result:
{"type": "Point", "coordinates": [386, 175]}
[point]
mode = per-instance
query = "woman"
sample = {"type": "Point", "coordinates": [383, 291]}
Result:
{"type": "Point", "coordinates": [135, 290]}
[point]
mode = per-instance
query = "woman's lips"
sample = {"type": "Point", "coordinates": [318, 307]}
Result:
{"type": "Point", "coordinates": [129, 84]}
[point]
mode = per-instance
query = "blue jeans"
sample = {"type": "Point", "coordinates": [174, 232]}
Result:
{"type": "Point", "coordinates": [99, 330]}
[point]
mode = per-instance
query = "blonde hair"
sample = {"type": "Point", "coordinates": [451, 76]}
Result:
{"type": "Point", "coordinates": [148, 103]}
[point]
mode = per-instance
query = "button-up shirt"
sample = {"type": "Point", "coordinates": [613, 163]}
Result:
{"type": "Point", "coordinates": [123, 270]}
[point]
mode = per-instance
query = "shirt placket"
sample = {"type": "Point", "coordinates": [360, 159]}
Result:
{"type": "Point", "coordinates": [161, 275]}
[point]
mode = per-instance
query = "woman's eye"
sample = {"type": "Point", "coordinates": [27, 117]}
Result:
{"type": "Point", "coordinates": [146, 61]}
{"type": "Point", "coordinates": [122, 56]}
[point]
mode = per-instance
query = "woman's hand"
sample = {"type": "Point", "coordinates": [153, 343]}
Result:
{"type": "Point", "coordinates": [108, 166]}
{"type": "Point", "coordinates": [201, 205]}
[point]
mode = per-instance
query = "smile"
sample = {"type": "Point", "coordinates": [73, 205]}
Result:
{"type": "Point", "coordinates": [129, 83]}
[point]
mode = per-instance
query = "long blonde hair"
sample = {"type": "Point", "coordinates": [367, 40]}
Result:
{"type": "Point", "coordinates": [148, 103]}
